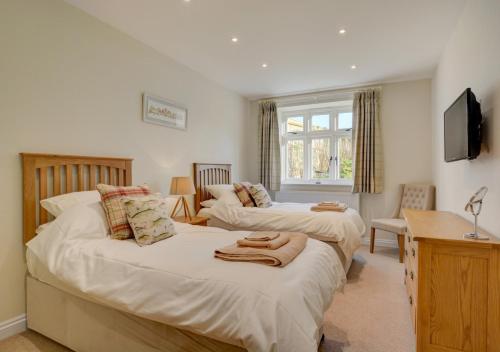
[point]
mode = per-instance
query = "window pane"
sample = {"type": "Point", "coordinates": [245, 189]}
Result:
{"type": "Point", "coordinates": [295, 124]}
{"type": "Point", "coordinates": [321, 158]}
{"type": "Point", "coordinates": [345, 158]}
{"type": "Point", "coordinates": [320, 122]}
{"type": "Point", "coordinates": [295, 153]}
{"type": "Point", "coordinates": [345, 120]}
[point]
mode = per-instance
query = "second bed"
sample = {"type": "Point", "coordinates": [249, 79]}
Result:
{"type": "Point", "coordinates": [341, 230]}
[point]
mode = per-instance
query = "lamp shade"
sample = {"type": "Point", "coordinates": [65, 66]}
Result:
{"type": "Point", "coordinates": [182, 186]}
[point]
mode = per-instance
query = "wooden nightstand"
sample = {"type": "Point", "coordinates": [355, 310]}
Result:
{"type": "Point", "coordinates": [195, 220]}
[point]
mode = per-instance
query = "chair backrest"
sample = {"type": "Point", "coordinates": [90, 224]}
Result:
{"type": "Point", "coordinates": [416, 196]}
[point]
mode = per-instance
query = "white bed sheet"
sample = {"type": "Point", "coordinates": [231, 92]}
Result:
{"type": "Point", "coordinates": [344, 228]}
{"type": "Point", "coordinates": [178, 282]}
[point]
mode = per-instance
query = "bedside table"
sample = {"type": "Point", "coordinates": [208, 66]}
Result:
{"type": "Point", "coordinates": [195, 220]}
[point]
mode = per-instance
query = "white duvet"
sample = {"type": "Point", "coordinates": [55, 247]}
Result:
{"type": "Point", "coordinates": [178, 281]}
{"type": "Point", "coordinates": [345, 228]}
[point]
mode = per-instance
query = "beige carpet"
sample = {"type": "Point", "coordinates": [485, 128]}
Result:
{"type": "Point", "coordinates": [372, 315]}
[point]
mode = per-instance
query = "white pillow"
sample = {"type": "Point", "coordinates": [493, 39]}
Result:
{"type": "Point", "coordinates": [208, 203]}
{"type": "Point", "coordinates": [58, 204]}
{"type": "Point", "coordinates": [42, 227]}
{"type": "Point", "coordinates": [229, 198]}
{"type": "Point", "coordinates": [218, 190]}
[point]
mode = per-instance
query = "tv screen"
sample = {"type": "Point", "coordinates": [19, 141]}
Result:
{"type": "Point", "coordinates": [462, 128]}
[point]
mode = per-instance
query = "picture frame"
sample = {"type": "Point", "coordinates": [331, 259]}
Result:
{"type": "Point", "coordinates": [160, 111]}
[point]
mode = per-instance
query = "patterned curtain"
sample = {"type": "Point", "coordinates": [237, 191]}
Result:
{"type": "Point", "coordinates": [368, 156]}
{"type": "Point", "coordinates": [269, 145]}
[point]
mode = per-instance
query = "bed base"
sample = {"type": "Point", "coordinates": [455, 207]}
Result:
{"type": "Point", "coordinates": [85, 326]}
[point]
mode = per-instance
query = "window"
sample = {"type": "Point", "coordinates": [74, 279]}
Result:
{"type": "Point", "coordinates": [295, 124]}
{"type": "Point", "coordinates": [317, 143]}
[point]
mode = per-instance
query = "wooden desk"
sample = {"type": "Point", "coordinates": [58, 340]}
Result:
{"type": "Point", "coordinates": [453, 284]}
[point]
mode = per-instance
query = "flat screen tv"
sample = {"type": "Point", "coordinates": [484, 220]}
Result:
{"type": "Point", "coordinates": [462, 128]}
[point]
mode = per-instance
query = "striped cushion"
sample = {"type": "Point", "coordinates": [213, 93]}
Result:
{"type": "Point", "coordinates": [260, 196]}
{"type": "Point", "coordinates": [111, 197]}
{"type": "Point", "coordinates": [242, 190]}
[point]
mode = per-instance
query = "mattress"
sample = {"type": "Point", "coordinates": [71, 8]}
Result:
{"type": "Point", "coordinates": [179, 283]}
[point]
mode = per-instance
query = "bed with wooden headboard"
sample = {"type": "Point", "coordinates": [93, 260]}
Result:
{"type": "Point", "coordinates": [48, 175]}
{"type": "Point", "coordinates": [206, 175]}
{"type": "Point", "coordinates": [73, 319]}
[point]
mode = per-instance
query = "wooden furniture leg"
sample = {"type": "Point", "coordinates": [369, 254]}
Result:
{"type": "Point", "coordinates": [372, 239]}
{"type": "Point", "coordinates": [187, 214]}
{"type": "Point", "coordinates": [401, 244]}
{"type": "Point", "coordinates": [174, 211]}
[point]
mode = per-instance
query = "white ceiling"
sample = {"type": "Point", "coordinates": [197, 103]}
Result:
{"type": "Point", "coordinates": [388, 40]}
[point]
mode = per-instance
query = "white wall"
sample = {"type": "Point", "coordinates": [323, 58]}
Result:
{"type": "Point", "coordinates": [406, 133]}
{"type": "Point", "coordinates": [471, 59]}
{"type": "Point", "coordinates": [72, 85]}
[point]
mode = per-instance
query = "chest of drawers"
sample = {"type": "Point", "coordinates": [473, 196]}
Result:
{"type": "Point", "coordinates": [453, 284]}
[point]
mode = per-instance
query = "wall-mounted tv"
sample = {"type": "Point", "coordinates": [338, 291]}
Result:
{"type": "Point", "coordinates": [462, 128]}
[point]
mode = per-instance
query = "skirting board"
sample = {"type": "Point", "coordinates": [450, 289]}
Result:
{"type": "Point", "coordinates": [381, 242]}
{"type": "Point", "coordinates": [12, 326]}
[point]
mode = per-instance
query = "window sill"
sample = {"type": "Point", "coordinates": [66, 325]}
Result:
{"type": "Point", "coordinates": [325, 187]}
{"type": "Point", "coordinates": [346, 183]}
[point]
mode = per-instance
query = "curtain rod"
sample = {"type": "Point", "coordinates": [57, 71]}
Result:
{"type": "Point", "coordinates": [317, 95]}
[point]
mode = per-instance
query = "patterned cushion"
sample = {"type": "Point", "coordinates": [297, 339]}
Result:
{"type": "Point", "coordinates": [111, 197]}
{"type": "Point", "coordinates": [260, 196]}
{"type": "Point", "coordinates": [149, 218]}
{"type": "Point", "coordinates": [242, 190]}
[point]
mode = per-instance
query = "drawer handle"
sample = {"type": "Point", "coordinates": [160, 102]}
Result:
{"type": "Point", "coordinates": [411, 300]}
{"type": "Point", "coordinates": [408, 239]}
{"type": "Point", "coordinates": [411, 274]}
{"type": "Point", "coordinates": [406, 272]}
{"type": "Point", "coordinates": [413, 252]}
{"type": "Point", "coordinates": [406, 252]}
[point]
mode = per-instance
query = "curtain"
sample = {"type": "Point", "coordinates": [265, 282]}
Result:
{"type": "Point", "coordinates": [269, 146]}
{"type": "Point", "coordinates": [368, 156]}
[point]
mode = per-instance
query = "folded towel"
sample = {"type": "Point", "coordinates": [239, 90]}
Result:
{"type": "Point", "coordinates": [281, 240]}
{"type": "Point", "coordinates": [262, 236]}
{"type": "Point", "coordinates": [273, 257]}
{"type": "Point", "coordinates": [329, 203]}
{"type": "Point", "coordinates": [341, 207]}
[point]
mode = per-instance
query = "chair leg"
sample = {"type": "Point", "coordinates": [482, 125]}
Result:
{"type": "Point", "coordinates": [401, 244]}
{"type": "Point", "coordinates": [372, 239]}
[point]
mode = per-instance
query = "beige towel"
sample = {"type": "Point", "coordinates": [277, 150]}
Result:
{"type": "Point", "coordinates": [273, 257]}
{"type": "Point", "coordinates": [340, 207]}
{"type": "Point", "coordinates": [262, 236]}
{"type": "Point", "coordinates": [281, 240]}
{"type": "Point", "coordinates": [329, 203]}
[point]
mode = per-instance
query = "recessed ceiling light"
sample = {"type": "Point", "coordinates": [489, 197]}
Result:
{"type": "Point", "coordinates": [234, 40]}
{"type": "Point", "coordinates": [187, 0]}
{"type": "Point", "coordinates": [353, 67]}
{"type": "Point", "coordinates": [342, 31]}
{"type": "Point", "coordinates": [264, 65]}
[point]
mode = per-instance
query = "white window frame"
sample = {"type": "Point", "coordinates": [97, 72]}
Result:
{"type": "Point", "coordinates": [307, 135]}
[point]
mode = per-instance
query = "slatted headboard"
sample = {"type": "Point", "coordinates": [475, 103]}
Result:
{"type": "Point", "coordinates": [48, 175]}
{"type": "Point", "coordinates": [209, 174]}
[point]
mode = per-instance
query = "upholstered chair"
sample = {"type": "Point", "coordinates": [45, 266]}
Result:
{"type": "Point", "coordinates": [412, 196]}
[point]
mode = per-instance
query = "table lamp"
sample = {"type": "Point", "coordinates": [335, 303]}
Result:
{"type": "Point", "coordinates": [182, 186]}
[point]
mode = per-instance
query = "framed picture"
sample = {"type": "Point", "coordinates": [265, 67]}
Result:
{"type": "Point", "coordinates": [163, 112]}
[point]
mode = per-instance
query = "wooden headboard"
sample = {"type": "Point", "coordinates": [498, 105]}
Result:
{"type": "Point", "coordinates": [209, 174]}
{"type": "Point", "coordinates": [48, 175]}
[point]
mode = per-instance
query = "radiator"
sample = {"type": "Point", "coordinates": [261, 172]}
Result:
{"type": "Point", "coordinates": [351, 199]}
